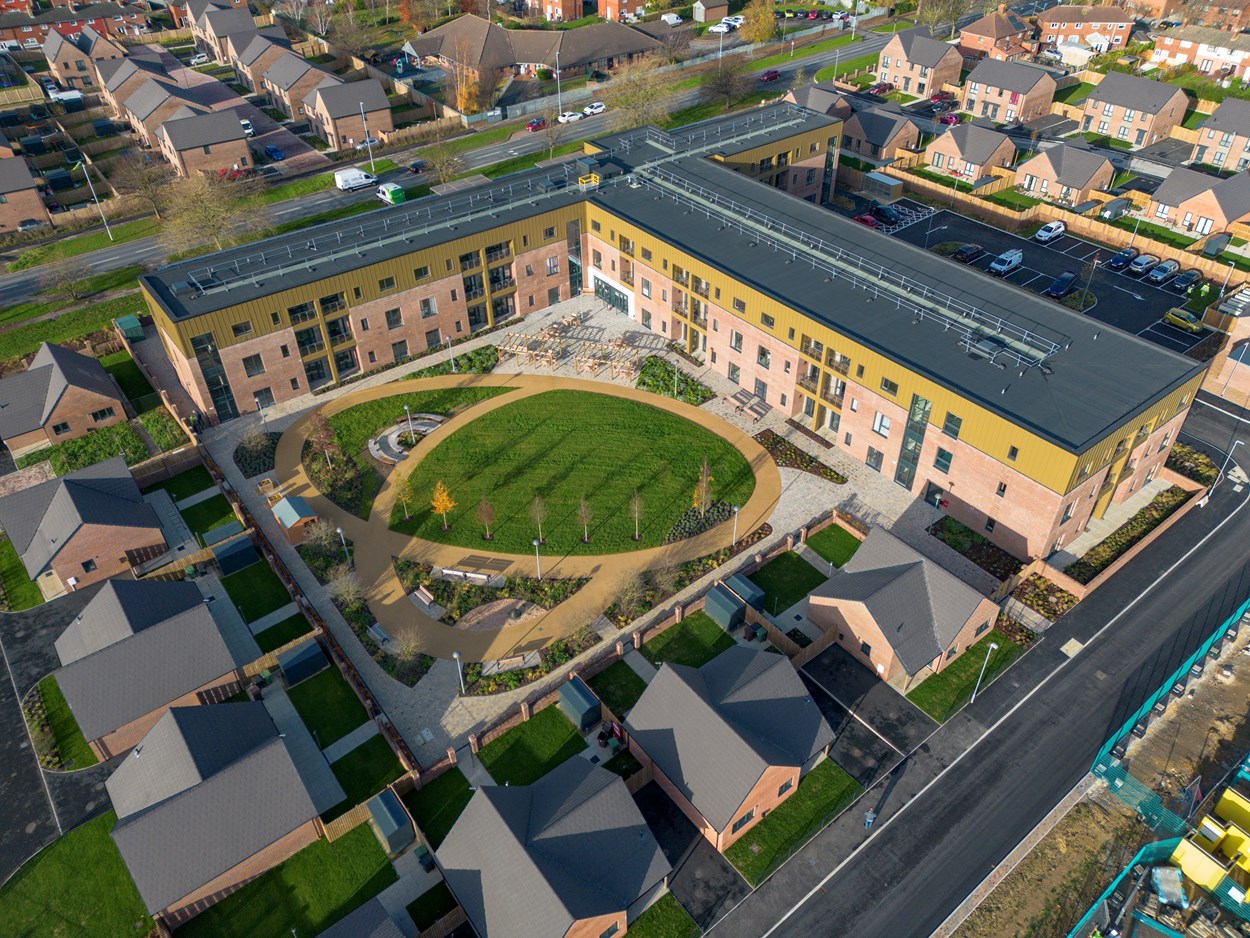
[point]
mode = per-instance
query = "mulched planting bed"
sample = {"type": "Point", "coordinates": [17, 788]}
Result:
{"type": "Point", "coordinates": [789, 456]}
{"type": "Point", "coordinates": [1045, 597]}
{"type": "Point", "coordinates": [1122, 539]}
{"type": "Point", "coordinates": [988, 556]}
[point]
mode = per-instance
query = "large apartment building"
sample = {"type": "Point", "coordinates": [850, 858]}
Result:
{"type": "Point", "coordinates": [1008, 412]}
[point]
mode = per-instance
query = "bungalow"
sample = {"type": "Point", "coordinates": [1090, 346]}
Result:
{"type": "Point", "coordinates": [728, 741]}
{"type": "Point", "coordinates": [898, 612]}
{"type": "Point", "coordinates": [1198, 203]}
{"type": "Point", "coordinates": [969, 150]}
{"type": "Point", "coordinates": [879, 134]}
{"type": "Point", "coordinates": [62, 395]}
{"type": "Point", "coordinates": [1002, 35]}
{"type": "Point", "coordinates": [1224, 137]}
{"type": "Point", "coordinates": [204, 143]}
{"type": "Point", "coordinates": [19, 195]}
{"type": "Point", "coordinates": [917, 64]}
{"type": "Point", "coordinates": [1065, 174]}
{"type": "Point", "coordinates": [289, 80]}
{"type": "Point", "coordinates": [1008, 92]}
{"type": "Point", "coordinates": [140, 647]}
{"type": "Point", "coordinates": [1099, 27]}
{"type": "Point", "coordinates": [569, 855]}
{"type": "Point", "coordinates": [83, 527]}
{"type": "Point", "coordinates": [250, 60]}
{"type": "Point", "coordinates": [215, 25]}
{"type": "Point", "coordinates": [823, 98]}
{"type": "Point", "coordinates": [71, 58]}
{"type": "Point", "coordinates": [1133, 109]}
{"type": "Point", "coordinates": [341, 112]}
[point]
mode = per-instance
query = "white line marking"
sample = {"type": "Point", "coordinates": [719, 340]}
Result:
{"type": "Point", "coordinates": [1006, 716]}
{"type": "Point", "coordinates": [834, 698]}
{"type": "Point", "coordinates": [1221, 410]}
{"type": "Point", "coordinates": [33, 751]}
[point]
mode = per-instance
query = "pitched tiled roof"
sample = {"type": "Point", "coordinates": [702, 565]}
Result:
{"type": "Point", "coordinates": [1183, 184]}
{"type": "Point", "coordinates": [922, 49]}
{"type": "Point", "coordinates": [880, 126]}
{"type": "Point", "coordinates": [1072, 166]}
{"type": "Point", "coordinates": [144, 100]}
{"type": "Point", "coordinates": [62, 14]}
{"type": "Point", "coordinates": [15, 176]}
{"type": "Point", "coordinates": [1010, 76]}
{"type": "Point", "coordinates": [977, 144]}
{"type": "Point", "coordinates": [288, 69]}
{"type": "Point", "coordinates": [201, 130]}
{"type": "Point", "coordinates": [227, 22]}
{"type": "Point", "coordinates": [999, 25]}
{"type": "Point", "coordinates": [1129, 91]}
{"type": "Point", "coordinates": [257, 46]}
{"type": "Point", "coordinates": [1210, 36]}
{"type": "Point", "coordinates": [121, 609]}
{"type": "Point", "coordinates": [822, 98]}
{"type": "Point", "coordinates": [343, 99]}
{"type": "Point", "coordinates": [1091, 14]}
{"type": "Point", "coordinates": [369, 921]}
{"type": "Point", "coordinates": [28, 397]}
{"type": "Point", "coordinates": [1231, 116]}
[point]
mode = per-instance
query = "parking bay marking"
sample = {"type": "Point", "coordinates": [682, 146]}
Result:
{"type": "Point", "coordinates": [1136, 296]}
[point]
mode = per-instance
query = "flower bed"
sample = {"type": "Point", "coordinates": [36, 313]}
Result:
{"type": "Point", "coordinates": [1119, 541]}
{"type": "Point", "coordinates": [1020, 634]}
{"type": "Point", "coordinates": [254, 456]}
{"type": "Point", "coordinates": [658, 376]}
{"type": "Point", "coordinates": [552, 657]}
{"type": "Point", "coordinates": [1190, 463]}
{"type": "Point", "coordinates": [691, 523]}
{"type": "Point", "coordinates": [789, 456]}
{"type": "Point", "coordinates": [461, 598]}
{"type": "Point", "coordinates": [1045, 597]}
{"type": "Point", "coordinates": [988, 556]}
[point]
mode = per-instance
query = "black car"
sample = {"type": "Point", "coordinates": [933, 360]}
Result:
{"type": "Point", "coordinates": [1122, 259]}
{"type": "Point", "coordinates": [1183, 283]}
{"type": "Point", "coordinates": [886, 215]}
{"type": "Point", "coordinates": [1062, 286]}
{"type": "Point", "coordinates": [968, 253]}
{"type": "Point", "coordinates": [418, 166]}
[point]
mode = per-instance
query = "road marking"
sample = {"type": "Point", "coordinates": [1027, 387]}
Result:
{"type": "Point", "coordinates": [1135, 296]}
{"type": "Point", "coordinates": [834, 698]}
{"type": "Point", "coordinates": [1031, 279]}
{"type": "Point", "coordinates": [33, 748]}
{"type": "Point", "coordinates": [819, 887]}
{"type": "Point", "coordinates": [1221, 410]}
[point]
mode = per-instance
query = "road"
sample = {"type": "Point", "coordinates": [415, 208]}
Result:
{"type": "Point", "coordinates": [970, 793]}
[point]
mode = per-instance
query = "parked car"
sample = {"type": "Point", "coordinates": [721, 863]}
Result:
{"type": "Point", "coordinates": [1050, 231]}
{"type": "Point", "coordinates": [200, 58]}
{"type": "Point", "coordinates": [721, 27]}
{"type": "Point", "coordinates": [537, 123]}
{"type": "Point", "coordinates": [949, 119]}
{"type": "Point", "coordinates": [1163, 273]}
{"type": "Point", "coordinates": [418, 166]}
{"type": "Point", "coordinates": [248, 129]}
{"type": "Point", "coordinates": [940, 96]}
{"type": "Point", "coordinates": [735, 21]}
{"type": "Point", "coordinates": [368, 142]}
{"type": "Point", "coordinates": [569, 116]}
{"type": "Point", "coordinates": [886, 215]}
{"type": "Point", "coordinates": [29, 224]}
{"type": "Point", "coordinates": [1122, 259]}
{"type": "Point", "coordinates": [1186, 281]}
{"type": "Point", "coordinates": [881, 88]}
{"type": "Point", "coordinates": [1183, 319]}
{"type": "Point", "coordinates": [1006, 262]}
{"type": "Point", "coordinates": [945, 107]}
{"type": "Point", "coordinates": [1141, 264]}
{"type": "Point", "coordinates": [273, 153]}
{"type": "Point", "coordinates": [1061, 286]}
{"type": "Point", "coordinates": [867, 221]}
{"type": "Point", "coordinates": [593, 108]}
{"type": "Point", "coordinates": [813, 14]}
{"type": "Point", "coordinates": [968, 253]}
{"type": "Point", "coordinates": [771, 75]}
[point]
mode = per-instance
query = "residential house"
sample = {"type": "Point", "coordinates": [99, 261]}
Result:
{"type": "Point", "coordinates": [153, 103]}
{"type": "Point", "coordinates": [17, 6]}
{"type": "Point", "coordinates": [624, 11]}
{"type": "Point", "coordinates": [1002, 34]}
{"type": "Point", "coordinates": [62, 395]}
{"type": "Point", "coordinates": [1008, 92]}
{"type": "Point", "coordinates": [915, 63]}
{"type": "Point", "coordinates": [370, 920]}
{"type": "Point", "coordinates": [120, 78]}
{"type": "Point", "coordinates": [1152, 9]}
{"type": "Point", "coordinates": [140, 647]}
{"type": "Point", "coordinates": [6, 149]}
{"type": "Point", "coordinates": [969, 150]}
{"type": "Point", "coordinates": [1065, 174]}
{"type": "Point", "coordinates": [215, 25]}
{"type": "Point", "coordinates": [186, 13]}
{"type": "Point", "coordinates": [1198, 203]}
{"type": "Point", "coordinates": [709, 11]}
{"type": "Point", "coordinates": [1099, 27]}
{"type": "Point", "coordinates": [728, 741]}
{"type": "Point", "coordinates": [82, 527]}
{"type": "Point", "coordinates": [212, 797]}
{"type": "Point", "coordinates": [1132, 109]}
{"type": "Point", "coordinates": [555, 11]}
{"type": "Point", "coordinates": [823, 98]}
{"type": "Point", "coordinates": [110, 19]}
{"type": "Point", "coordinates": [1214, 52]}
{"type": "Point", "coordinates": [569, 855]}
{"type": "Point", "coordinates": [253, 58]}
{"type": "Point", "coordinates": [879, 134]}
{"type": "Point", "coordinates": [204, 143]}
{"type": "Point", "coordinates": [340, 112]}
{"type": "Point", "coordinates": [71, 58]}
{"type": "Point", "coordinates": [1230, 15]}
{"type": "Point", "coordinates": [1224, 137]}
{"type": "Point", "coordinates": [899, 613]}
{"type": "Point", "coordinates": [289, 80]}
{"type": "Point", "coordinates": [19, 195]}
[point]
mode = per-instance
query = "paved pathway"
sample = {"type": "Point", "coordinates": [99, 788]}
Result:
{"type": "Point", "coordinates": [357, 737]}
{"type": "Point", "coordinates": [413, 882]}
{"type": "Point", "coordinates": [1115, 516]}
{"type": "Point", "coordinates": [197, 498]}
{"type": "Point", "coordinates": [639, 664]}
{"type": "Point", "coordinates": [273, 618]}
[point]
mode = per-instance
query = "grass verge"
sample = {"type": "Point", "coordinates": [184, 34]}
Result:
{"type": "Point", "coordinates": [70, 743]}
{"type": "Point", "coordinates": [943, 693]}
{"type": "Point", "coordinates": [20, 591]}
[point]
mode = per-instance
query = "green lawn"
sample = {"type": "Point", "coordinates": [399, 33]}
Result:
{"type": "Point", "coordinates": [364, 772]}
{"type": "Point", "coordinates": [99, 283]}
{"type": "Point", "coordinates": [68, 325]}
{"type": "Point", "coordinates": [785, 581]}
{"type": "Point", "coordinates": [127, 374]}
{"type": "Point", "coordinates": [665, 919]}
{"type": "Point", "coordinates": [185, 484]}
{"type": "Point", "coordinates": [531, 749]}
{"type": "Point", "coordinates": [693, 641]}
{"type": "Point", "coordinates": [835, 544]}
{"type": "Point", "coordinates": [896, 27]}
{"type": "Point", "coordinates": [823, 792]}
{"type": "Point", "coordinates": [708, 109]}
{"type": "Point", "coordinates": [471, 141]}
{"type": "Point", "coordinates": [1075, 94]}
{"type": "Point", "coordinates": [431, 905]}
{"type": "Point", "coordinates": [209, 514]}
{"type": "Point", "coordinates": [88, 450]}
{"type": "Point", "coordinates": [78, 885]}
{"type": "Point", "coordinates": [824, 45]}
{"type": "Point", "coordinates": [304, 895]}
{"type": "Point", "coordinates": [328, 706]}
{"type": "Point", "coordinates": [567, 445]}
{"type": "Point", "coordinates": [1193, 119]}
{"type": "Point", "coordinates": [1154, 232]}
{"type": "Point", "coordinates": [437, 805]}
{"type": "Point", "coordinates": [161, 426]}
{"type": "Point", "coordinates": [939, 694]}
{"type": "Point", "coordinates": [75, 753]}
{"type": "Point", "coordinates": [285, 631]}
{"type": "Point", "coordinates": [1016, 201]}
{"type": "Point", "coordinates": [845, 68]}
{"type": "Point", "coordinates": [1103, 140]}
{"type": "Point", "coordinates": [256, 591]}
{"type": "Point", "coordinates": [618, 686]}
{"type": "Point", "coordinates": [20, 590]}
{"type": "Point", "coordinates": [84, 243]}
{"type": "Point", "coordinates": [624, 764]}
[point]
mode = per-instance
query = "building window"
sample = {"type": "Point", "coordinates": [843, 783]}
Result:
{"type": "Point", "coordinates": [427, 308]}
{"type": "Point", "coordinates": [1067, 513]}
{"type": "Point", "coordinates": [942, 462]}
{"type": "Point", "coordinates": [263, 398]}
{"type": "Point", "coordinates": [763, 357]}
{"type": "Point", "coordinates": [1001, 491]}
{"type": "Point", "coordinates": [101, 415]}
{"type": "Point", "coordinates": [646, 254]}
{"type": "Point", "coordinates": [332, 304]}
{"type": "Point", "coordinates": [553, 266]}
{"type": "Point", "coordinates": [60, 429]}
{"type": "Point", "coordinates": [859, 371]}
{"type": "Point", "coordinates": [735, 340]}
{"type": "Point", "coordinates": [739, 306]}
{"type": "Point", "coordinates": [611, 930]}
{"type": "Point", "coordinates": [386, 284]}
{"type": "Point", "coordinates": [1012, 453]}
{"type": "Point", "coordinates": [364, 325]}
{"type": "Point", "coordinates": [421, 273]}
{"type": "Point", "coordinates": [743, 821]}
{"type": "Point", "coordinates": [646, 287]}
{"type": "Point", "coordinates": [865, 649]}
{"type": "Point", "coordinates": [990, 524]}
{"type": "Point", "coordinates": [789, 783]}
{"type": "Point", "coordinates": [549, 233]}
{"type": "Point", "coordinates": [399, 350]}
{"type": "Point", "coordinates": [767, 320]}
{"type": "Point", "coordinates": [952, 426]}
{"type": "Point", "coordinates": [301, 313]}
{"type": "Point", "coordinates": [881, 424]}
{"type": "Point", "coordinates": [241, 329]}
{"type": "Point", "coordinates": [734, 373]}
{"type": "Point", "coordinates": [874, 459]}
{"type": "Point", "coordinates": [253, 365]}
{"type": "Point", "coordinates": [889, 387]}
{"type": "Point", "coordinates": [88, 566]}
{"type": "Point", "coordinates": [595, 226]}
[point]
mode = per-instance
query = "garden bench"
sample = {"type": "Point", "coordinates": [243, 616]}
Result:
{"type": "Point", "coordinates": [376, 452]}
{"type": "Point", "coordinates": [425, 596]}
{"type": "Point", "coordinates": [758, 410]}
{"type": "Point", "coordinates": [740, 400]}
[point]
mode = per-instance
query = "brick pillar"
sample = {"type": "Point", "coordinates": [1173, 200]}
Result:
{"type": "Point", "coordinates": [451, 754]}
{"type": "Point", "coordinates": [473, 743]}
{"type": "Point", "coordinates": [679, 613]}
{"type": "Point", "coordinates": [572, 674]}
{"type": "Point", "coordinates": [620, 649]}
{"type": "Point", "coordinates": [789, 542]}
{"type": "Point", "coordinates": [637, 637]}
{"type": "Point", "coordinates": [803, 534]}
{"type": "Point", "coordinates": [525, 710]}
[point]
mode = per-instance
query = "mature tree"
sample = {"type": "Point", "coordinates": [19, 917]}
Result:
{"type": "Point", "coordinates": [322, 535]}
{"type": "Point", "coordinates": [320, 17]}
{"type": "Point", "coordinates": [759, 24]}
{"type": "Point", "coordinates": [441, 502]}
{"type": "Point", "coordinates": [538, 514]}
{"type": "Point", "coordinates": [66, 278]}
{"type": "Point", "coordinates": [933, 13]}
{"type": "Point", "coordinates": [730, 80]}
{"type": "Point", "coordinates": [703, 490]}
{"type": "Point", "coordinates": [343, 586]}
{"type": "Point", "coordinates": [635, 509]}
{"type": "Point", "coordinates": [350, 36]}
{"type": "Point", "coordinates": [210, 210]}
{"type": "Point", "coordinates": [553, 131]}
{"type": "Point", "coordinates": [585, 517]}
{"type": "Point", "coordinates": [147, 181]}
{"type": "Point", "coordinates": [674, 46]}
{"type": "Point", "coordinates": [635, 96]}
{"type": "Point", "coordinates": [445, 163]}
{"type": "Point", "coordinates": [486, 516]}
{"type": "Point", "coordinates": [321, 436]}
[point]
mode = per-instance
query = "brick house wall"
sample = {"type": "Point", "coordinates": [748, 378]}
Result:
{"type": "Point", "coordinates": [130, 21]}
{"type": "Point", "coordinates": [763, 797]}
{"type": "Point", "coordinates": [251, 75]}
{"type": "Point", "coordinates": [104, 545]}
{"type": "Point", "coordinates": [1201, 214]}
{"type": "Point", "coordinates": [912, 78]}
{"type": "Point", "coordinates": [1038, 176]}
{"type": "Point", "coordinates": [944, 156]}
{"type": "Point", "coordinates": [1174, 50]}
{"type": "Point", "coordinates": [291, 100]}
{"type": "Point", "coordinates": [1228, 151]}
{"type": "Point", "coordinates": [345, 132]}
{"type": "Point", "coordinates": [19, 206]}
{"type": "Point", "coordinates": [70, 67]}
{"type": "Point", "coordinates": [555, 10]}
{"type": "Point", "coordinates": [1137, 127]}
{"type": "Point", "coordinates": [189, 374]}
{"type": "Point", "coordinates": [1087, 32]}
{"type": "Point", "coordinates": [146, 129]}
{"type": "Point", "coordinates": [1007, 106]}
{"type": "Point", "coordinates": [207, 159]}
{"type": "Point", "coordinates": [128, 736]}
{"type": "Point", "coordinates": [853, 140]}
{"type": "Point", "coordinates": [76, 406]}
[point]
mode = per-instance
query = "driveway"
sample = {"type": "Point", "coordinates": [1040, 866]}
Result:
{"type": "Point", "coordinates": [857, 747]}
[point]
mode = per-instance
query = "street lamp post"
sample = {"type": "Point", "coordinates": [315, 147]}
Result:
{"type": "Point", "coordinates": [928, 234]}
{"type": "Point", "coordinates": [1134, 238]}
{"type": "Point", "coordinates": [989, 651]}
{"type": "Point", "coordinates": [95, 197]}
{"type": "Point", "coordinates": [1228, 276]}
{"type": "Point", "coordinates": [451, 356]}
{"type": "Point", "coordinates": [559, 99]}
{"type": "Point", "coordinates": [368, 143]}
{"type": "Point", "coordinates": [412, 438]}
{"type": "Point", "coordinates": [737, 508]}
{"type": "Point", "coordinates": [459, 671]}
{"type": "Point", "coordinates": [1220, 475]}
{"type": "Point", "coordinates": [343, 538]}
{"type": "Point", "coordinates": [537, 562]}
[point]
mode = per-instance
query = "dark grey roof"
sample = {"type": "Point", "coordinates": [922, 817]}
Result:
{"type": "Point", "coordinates": [197, 8]}
{"type": "Point", "coordinates": [918, 605]}
{"type": "Point", "coordinates": [1233, 196]}
{"type": "Point", "coordinates": [922, 49]}
{"type": "Point", "coordinates": [227, 22]}
{"type": "Point", "coordinates": [1232, 116]}
{"type": "Point", "coordinates": [40, 520]}
{"type": "Point", "coordinates": [343, 99]}
{"type": "Point", "coordinates": [1181, 185]}
{"type": "Point", "coordinates": [1072, 166]}
{"type": "Point", "coordinates": [256, 48]}
{"type": "Point", "coordinates": [52, 44]}
{"type": "Point", "coordinates": [122, 609]}
{"type": "Point", "coordinates": [1210, 36]}
{"type": "Point", "coordinates": [715, 730]}
{"type": "Point", "coordinates": [61, 14]}
{"type": "Point", "coordinates": [486, 45]}
{"type": "Point", "coordinates": [135, 674]}
{"type": "Point", "coordinates": [368, 921]}
{"type": "Point", "coordinates": [206, 789]}
{"type": "Point", "coordinates": [976, 143]}
{"type": "Point", "coordinates": [116, 72]}
{"type": "Point", "coordinates": [823, 98]}
{"type": "Point", "coordinates": [480, 43]}
{"type": "Point", "coordinates": [528, 861]}
{"type": "Point", "coordinates": [15, 175]}
{"type": "Point", "coordinates": [200, 130]}
{"type": "Point", "coordinates": [880, 126]}
{"type": "Point", "coordinates": [1138, 94]}
{"type": "Point", "coordinates": [1010, 76]}
{"type": "Point", "coordinates": [288, 69]}
{"type": "Point", "coordinates": [89, 40]}
{"type": "Point", "coordinates": [148, 97]}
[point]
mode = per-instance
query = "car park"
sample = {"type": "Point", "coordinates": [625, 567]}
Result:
{"type": "Point", "coordinates": [1183, 319]}
{"type": "Point", "coordinates": [1061, 286]}
{"type": "Point", "coordinates": [569, 116]}
{"type": "Point", "coordinates": [1162, 273]}
{"type": "Point", "coordinates": [771, 75]}
{"type": "Point", "coordinates": [537, 123]}
{"type": "Point", "coordinates": [1122, 259]}
{"type": "Point", "coordinates": [968, 253]}
{"type": "Point", "coordinates": [949, 119]}
{"type": "Point", "coordinates": [1006, 262]}
{"type": "Point", "coordinates": [248, 129]}
{"type": "Point", "coordinates": [274, 153]}
{"type": "Point", "coordinates": [735, 21]}
{"type": "Point", "coordinates": [1186, 281]}
{"type": "Point", "coordinates": [1050, 231]}
{"type": "Point", "coordinates": [593, 108]}
{"type": "Point", "coordinates": [1141, 264]}
{"type": "Point", "coordinates": [200, 58]}
{"type": "Point", "coordinates": [867, 221]}
{"type": "Point", "coordinates": [886, 215]}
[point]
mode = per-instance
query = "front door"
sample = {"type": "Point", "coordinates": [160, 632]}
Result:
{"type": "Point", "coordinates": [612, 296]}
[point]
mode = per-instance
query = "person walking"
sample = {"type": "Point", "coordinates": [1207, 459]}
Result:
{"type": "Point", "coordinates": [869, 816]}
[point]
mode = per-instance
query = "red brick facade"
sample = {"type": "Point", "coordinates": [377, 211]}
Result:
{"type": "Point", "coordinates": [109, 550]}
{"type": "Point", "coordinates": [74, 410]}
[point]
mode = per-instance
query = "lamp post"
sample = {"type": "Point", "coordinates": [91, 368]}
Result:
{"type": "Point", "coordinates": [559, 100]}
{"type": "Point", "coordinates": [451, 357]}
{"type": "Point", "coordinates": [1228, 276]}
{"type": "Point", "coordinates": [459, 671]}
{"type": "Point", "coordinates": [91, 186]}
{"type": "Point", "coordinates": [412, 439]}
{"type": "Point", "coordinates": [1220, 475]}
{"type": "Point", "coordinates": [343, 538]}
{"type": "Point", "coordinates": [368, 143]}
{"type": "Point", "coordinates": [737, 508]}
{"type": "Point", "coordinates": [1134, 238]}
{"type": "Point", "coordinates": [537, 562]}
{"type": "Point", "coordinates": [928, 234]}
{"type": "Point", "coordinates": [989, 651]}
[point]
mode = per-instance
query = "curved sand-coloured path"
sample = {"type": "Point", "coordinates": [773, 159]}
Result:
{"type": "Point", "coordinates": [375, 544]}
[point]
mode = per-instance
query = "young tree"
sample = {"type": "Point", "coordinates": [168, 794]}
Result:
{"type": "Point", "coordinates": [703, 490]}
{"type": "Point", "coordinates": [800, 77]}
{"type": "Point", "coordinates": [147, 181]}
{"type": "Point", "coordinates": [634, 95]}
{"type": "Point", "coordinates": [630, 597]}
{"type": "Point", "coordinates": [445, 163]}
{"type": "Point", "coordinates": [442, 502]}
{"type": "Point", "coordinates": [351, 36]}
{"type": "Point", "coordinates": [759, 25]}
{"type": "Point", "coordinates": [729, 81]}
{"type": "Point", "coordinates": [210, 210]}
{"type": "Point", "coordinates": [322, 535]}
{"type": "Point", "coordinates": [344, 588]}
{"type": "Point", "coordinates": [538, 514]}
{"type": "Point", "coordinates": [486, 516]}
{"type": "Point", "coordinates": [321, 436]}
{"type": "Point", "coordinates": [635, 509]}
{"type": "Point", "coordinates": [66, 278]}
{"type": "Point", "coordinates": [553, 131]}
{"type": "Point", "coordinates": [409, 658]}
{"type": "Point", "coordinates": [585, 516]}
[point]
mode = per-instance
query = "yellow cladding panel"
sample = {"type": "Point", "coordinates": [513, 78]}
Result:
{"type": "Point", "coordinates": [1234, 807]}
{"type": "Point", "coordinates": [1198, 865]}
{"type": "Point", "coordinates": [800, 147]}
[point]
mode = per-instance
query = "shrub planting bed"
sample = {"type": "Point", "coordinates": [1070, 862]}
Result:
{"type": "Point", "coordinates": [789, 456]}
{"type": "Point", "coordinates": [459, 598]}
{"type": "Point", "coordinates": [988, 556]}
{"type": "Point", "coordinates": [553, 656]}
{"type": "Point", "coordinates": [1045, 597]}
{"type": "Point", "coordinates": [658, 375]}
{"type": "Point", "coordinates": [1192, 464]}
{"type": "Point", "coordinates": [254, 456]}
{"type": "Point", "coordinates": [1122, 539]}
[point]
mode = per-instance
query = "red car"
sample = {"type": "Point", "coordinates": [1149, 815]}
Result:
{"type": "Point", "coordinates": [867, 221]}
{"type": "Point", "coordinates": [771, 75]}
{"type": "Point", "coordinates": [881, 88]}
{"type": "Point", "coordinates": [813, 14]}
{"type": "Point", "coordinates": [538, 123]}
{"type": "Point", "coordinates": [951, 119]}
{"type": "Point", "coordinates": [941, 96]}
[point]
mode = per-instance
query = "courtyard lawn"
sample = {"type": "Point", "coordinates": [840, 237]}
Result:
{"type": "Point", "coordinates": [694, 641]}
{"type": "Point", "coordinates": [624, 764]}
{"type": "Point", "coordinates": [1074, 95]}
{"type": "Point", "coordinates": [78, 885]}
{"type": "Point", "coordinates": [288, 630]}
{"type": "Point", "coordinates": [437, 805]}
{"type": "Point", "coordinates": [566, 445]}
{"type": "Point", "coordinates": [364, 772]}
{"type": "Point", "coordinates": [305, 895]}
{"type": "Point", "coordinates": [20, 591]}
{"type": "Point", "coordinates": [835, 544]}
{"type": "Point", "coordinates": [664, 919]}
{"type": "Point", "coordinates": [941, 694]}
{"type": "Point", "coordinates": [185, 484]}
{"type": "Point", "coordinates": [618, 686]}
{"type": "Point", "coordinates": [1193, 119]}
{"type": "Point", "coordinates": [256, 591]}
{"type": "Point", "coordinates": [431, 905]}
{"type": "Point", "coordinates": [328, 706]}
{"type": "Point", "coordinates": [821, 794]}
{"type": "Point", "coordinates": [786, 580]}
{"type": "Point", "coordinates": [126, 373]}
{"type": "Point", "coordinates": [531, 749]}
{"type": "Point", "coordinates": [208, 515]}
{"type": "Point", "coordinates": [75, 753]}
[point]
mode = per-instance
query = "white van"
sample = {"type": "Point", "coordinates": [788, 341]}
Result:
{"type": "Point", "coordinates": [1006, 262]}
{"type": "Point", "coordinates": [349, 180]}
{"type": "Point", "coordinates": [672, 19]}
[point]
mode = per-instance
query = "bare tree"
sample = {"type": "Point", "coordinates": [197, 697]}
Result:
{"type": "Point", "coordinates": [664, 580]}
{"type": "Point", "coordinates": [759, 24]}
{"type": "Point", "coordinates": [486, 516]}
{"type": "Point", "coordinates": [445, 163]}
{"type": "Point", "coordinates": [538, 514]}
{"type": "Point", "coordinates": [630, 598]}
{"type": "Point", "coordinates": [320, 17]}
{"type": "Point", "coordinates": [585, 517]}
{"type": "Point", "coordinates": [800, 77]}
{"type": "Point", "coordinates": [210, 210]}
{"type": "Point", "coordinates": [635, 509]}
{"type": "Point", "coordinates": [321, 435]}
{"type": "Point", "coordinates": [66, 278]}
{"type": "Point", "coordinates": [462, 80]}
{"type": "Point", "coordinates": [703, 489]}
{"type": "Point", "coordinates": [351, 36]}
{"type": "Point", "coordinates": [933, 13]}
{"type": "Point", "coordinates": [553, 131]}
{"type": "Point", "coordinates": [147, 181]}
{"type": "Point", "coordinates": [343, 586]}
{"type": "Point", "coordinates": [635, 96]}
{"type": "Point", "coordinates": [322, 535]}
{"type": "Point", "coordinates": [729, 81]}
{"type": "Point", "coordinates": [674, 46]}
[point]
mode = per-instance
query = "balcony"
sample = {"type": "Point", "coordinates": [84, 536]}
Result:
{"type": "Point", "coordinates": [474, 293]}
{"type": "Point", "coordinates": [498, 253]}
{"type": "Point", "coordinates": [308, 348]}
{"type": "Point", "coordinates": [830, 398]}
{"type": "Point", "coordinates": [339, 338]}
{"type": "Point", "coordinates": [701, 287]}
{"type": "Point", "coordinates": [681, 307]}
{"type": "Point", "coordinates": [502, 283]}
{"type": "Point", "coordinates": [627, 277]}
{"type": "Point", "coordinates": [627, 247]}
{"type": "Point", "coordinates": [815, 350]}
{"type": "Point", "coordinates": [841, 365]}
{"type": "Point", "coordinates": [807, 382]}
{"type": "Point", "coordinates": [681, 277]}
{"type": "Point", "coordinates": [698, 318]}
{"type": "Point", "coordinates": [470, 262]}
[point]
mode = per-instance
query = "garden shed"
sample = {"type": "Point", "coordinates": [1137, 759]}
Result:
{"type": "Point", "coordinates": [390, 823]}
{"type": "Point", "coordinates": [295, 516]}
{"type": "Point", "coordinates": [302, 662]}
{"type": "Point", "coordinates": [710, 11]}
{"type": "Point", "coordinates": [235, 555]}
{"type": "Point", "coordinates": [883, 188]}
{"type": "Point", "coordinates": [724, 608]}
{"type": "Point", "coordinates": [745, 590]}
{"type": "Point", "coordinates": [579, 704]}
